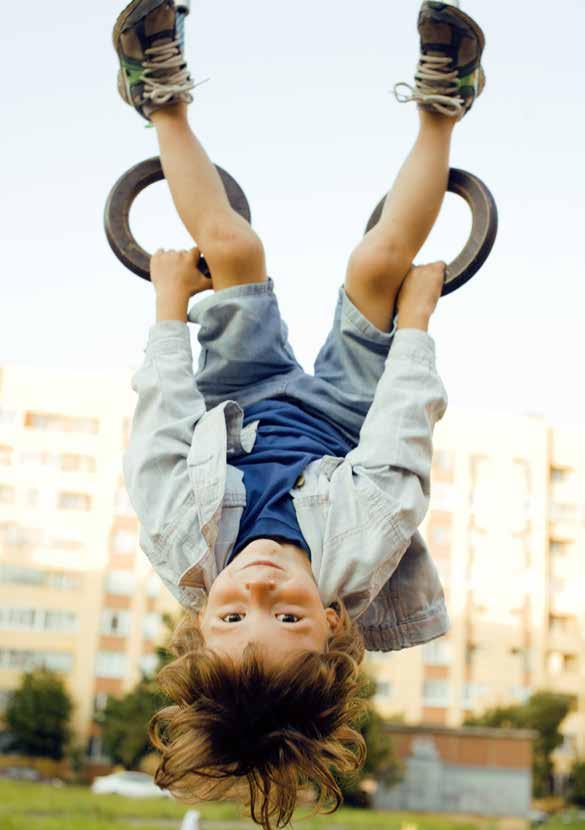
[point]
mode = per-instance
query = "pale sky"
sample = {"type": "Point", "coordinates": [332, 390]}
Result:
{"type": "Point", "coordinates": [299, 110]}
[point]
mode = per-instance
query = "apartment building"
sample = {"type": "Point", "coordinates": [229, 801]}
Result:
{"type": "Point", "coordinates": [506, 528]}
{"type": "Point", "coordinates": [507, 531]}
{"type": "Point", "coordinates": [76, 593]}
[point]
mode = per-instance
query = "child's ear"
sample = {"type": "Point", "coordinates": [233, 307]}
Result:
{"type": "Point", "coordinates": [332, 619]}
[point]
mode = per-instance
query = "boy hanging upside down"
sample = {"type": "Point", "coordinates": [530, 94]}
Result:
{"type": "Point", "coordinates": [281, 508]}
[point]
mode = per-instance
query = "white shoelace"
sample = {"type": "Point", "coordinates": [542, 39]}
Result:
{"type": "Point", "coordinates": [433, 68]}
{"type": "Point", "coordinates": [166, 57]}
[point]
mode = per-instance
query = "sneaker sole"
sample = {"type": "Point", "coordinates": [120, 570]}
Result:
{"type": "Point", "coordinates": [125, 18]}
{"type": "Point", "coordinates": [458, 13]}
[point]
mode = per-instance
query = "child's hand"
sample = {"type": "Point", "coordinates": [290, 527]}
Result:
{"type": "Point", "coordinates": [175, 273]}
{"type": "Point", "coordinates": [419, 295]}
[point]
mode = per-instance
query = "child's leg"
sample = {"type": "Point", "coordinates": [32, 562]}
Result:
{"type": "Point", "coordinates": [379, 264]}
{"type": "Point", "coordinates": [233, 250]}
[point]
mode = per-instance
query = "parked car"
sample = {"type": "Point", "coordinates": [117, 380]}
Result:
{"type": "Point", "coordinates": [130, 784]}
{"type": "Point", "coordinates": [21, 773]}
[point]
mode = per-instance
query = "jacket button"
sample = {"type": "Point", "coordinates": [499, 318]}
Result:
{"type": "Point", "coordinates": [300, 482]}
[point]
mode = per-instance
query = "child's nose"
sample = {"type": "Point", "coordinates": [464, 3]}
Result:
{"type": "Point", "coordinates": [260, 583]}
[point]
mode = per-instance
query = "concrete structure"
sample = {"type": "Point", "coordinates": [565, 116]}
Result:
{"type": "Point", "coordinates": [506, 527]}
{"type": "Point", "coordinates": [480, 771]}
{"type": "Point", "coordinates": [507, 531]}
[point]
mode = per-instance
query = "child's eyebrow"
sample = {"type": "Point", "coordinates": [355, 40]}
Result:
{"type": "Point", "coordinates": [297, 628]}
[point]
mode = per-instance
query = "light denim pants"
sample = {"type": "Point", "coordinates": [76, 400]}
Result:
{"type": "Point", "coordinates": [246, 357]}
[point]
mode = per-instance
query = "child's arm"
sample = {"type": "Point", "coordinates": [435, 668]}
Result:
{"type": "Point", "coordinates": [382, 488]}
{"type": "Point", "coordinates": [395, 449]}
{"type": "Point", "coordinates": [168, 408]}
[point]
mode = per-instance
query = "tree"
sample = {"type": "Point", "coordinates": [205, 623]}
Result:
{"type": "Point", "coordinates": [577, 783]}
{"type": "Point", "coordinates": [125, 723]}
{"type": "Point", "coordinates": [38, 715]}
{"type": "Point", "coordinates": [125, 719]}
{"type": "Point", "coordinates": [543, 712]}
{"type": "Point", "coordinates": [381, 762]}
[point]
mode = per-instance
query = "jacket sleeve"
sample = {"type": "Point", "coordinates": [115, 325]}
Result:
{"type": "Point", "coordinates": [155, 462]}
{"type": "Point", "coordinates": [380, 493]}
{"type": "Point", "coordinates": [395, 450]}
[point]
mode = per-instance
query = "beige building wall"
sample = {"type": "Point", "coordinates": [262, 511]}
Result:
{"type": "Point", "coordinates": [506, 528]}
{"type": "Point", "coordinates": [76, 593]}
{"type": "Point", "coordinates": [507, 531]}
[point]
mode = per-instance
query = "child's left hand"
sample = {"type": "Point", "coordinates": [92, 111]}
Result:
{"type": "Point", "coordinates": [175, 273]}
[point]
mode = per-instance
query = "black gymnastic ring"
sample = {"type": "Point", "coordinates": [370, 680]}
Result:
{"type": "Point", "coordinates": [484, 228]}
{"type": "Point", "coordinates": [121, 198]}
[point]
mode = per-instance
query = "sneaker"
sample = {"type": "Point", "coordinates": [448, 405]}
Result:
{"type": "Point", "coordinates": [449, 76]}
{"type": "Point", "coordinates": [149, 37]}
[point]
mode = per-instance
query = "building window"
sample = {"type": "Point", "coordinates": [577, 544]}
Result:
{"type": "Point", "coordinates": [563, 512]}
{"type": "Point", "coordinates": [558, 548]}
{"type": "Point", "coordinates": [124, 542]}
{"type": "Point", "coordinates": [437, 653]}
{"type": "Point", "coordinates": [95, 749]}
{"type": "Point", "coordinates": [121, 583]}
{"type": "Point", "coordinates": [524, 655]}
{"type": "Point", "coordinates": [148, 664]}
{"type": "Point", "coordinates": [111, 664]}
{"type": "Point", "coordinates": [562, 475]}
{"type": "Point", "coordinates": [100, 701]}
{"type": "Point", "coordinates": [38, 619]}
{"type": "Point", "coordinates": [123, 505]}
{"type": "Point", "coordinates": [444, 460]}
{"type": "Point", "coordinates": [562, 624]}
{"type": "Point", "coordinates": [60, 423]}
{"type": "Point", "coordinates": [7, 494]}
{"type": "Point", "coordinates": [440, 535]}
{"type": "Point", "coordinates": [571, 663]}
{"type": "Point", "coordinates": [74, 501]}
{"type": "Point", "coordinates": [33, 577]}
{"type": "Point", "coordinates": [115, 623]}
{"type": "Point", "coordinates": [24, 660]}
{"type": "Point", "coordinates": [17, 536]}
{"type": "Point", "coordinates": [73, 463]}
{"type": "Point", "coordinates": [5, 456]}
{"type": "Point", "coordinates": [153, 586]}
{"type": "Point", "coordinates": [7, 417]}
{"type": "Point", "coordinates": [32, 498]}
{"type": "Point", "coordinates": [472, 693]}
{"type": "Point", "coordinates": [151, 625]}
{"type": "Point", "coordinates": [436, 693]}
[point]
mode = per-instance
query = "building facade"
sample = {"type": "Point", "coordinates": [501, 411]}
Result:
{"type": "Point", "coordinates": [507, 531]}
{"type": "Point", "coordinates": [506, 528]}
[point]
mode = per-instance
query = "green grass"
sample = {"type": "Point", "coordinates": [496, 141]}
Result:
{"type": "Point", "coordinates": [25, 806]}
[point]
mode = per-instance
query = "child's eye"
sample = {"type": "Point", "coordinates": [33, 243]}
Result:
{"type": "Point", "coordinates": [229, 618]}
{"type": "Point", "coordinates": [292, 618]}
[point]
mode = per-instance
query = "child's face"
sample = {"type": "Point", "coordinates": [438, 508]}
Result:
{"type": "Point", "coordinates": [267, 596]}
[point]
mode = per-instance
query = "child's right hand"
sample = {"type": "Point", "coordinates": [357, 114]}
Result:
{"type": "Point", "coordinates": [175, 273]}
{"type": "Point", "coordinates": [419, 295]}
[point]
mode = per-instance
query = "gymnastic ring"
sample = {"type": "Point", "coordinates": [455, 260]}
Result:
{"type": "Point", "coordinates": [121, 198]}
{"type": "Point", "coordinates": [484, 228]}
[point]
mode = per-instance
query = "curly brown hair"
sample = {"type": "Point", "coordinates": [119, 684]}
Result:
{"type": "Point", "coordinates": [261, 733]}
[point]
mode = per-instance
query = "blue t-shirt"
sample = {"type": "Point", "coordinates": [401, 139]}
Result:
{"type": "Point", "coordinates": [288, 439]}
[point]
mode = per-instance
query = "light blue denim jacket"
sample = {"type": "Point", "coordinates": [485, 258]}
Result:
{"type": "Point", "coordinates": [358, 514]}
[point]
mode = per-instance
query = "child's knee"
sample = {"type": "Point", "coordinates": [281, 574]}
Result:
{"type": "Point", "coordinates": [378, 264]}
{"type": "Point", "coordinates": [233, 251]}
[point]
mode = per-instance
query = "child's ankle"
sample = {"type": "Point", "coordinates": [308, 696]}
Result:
{"type": "Point", "coordinates": [436, 120]}
{"type": "Point", "coordinates": [174, 112]}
